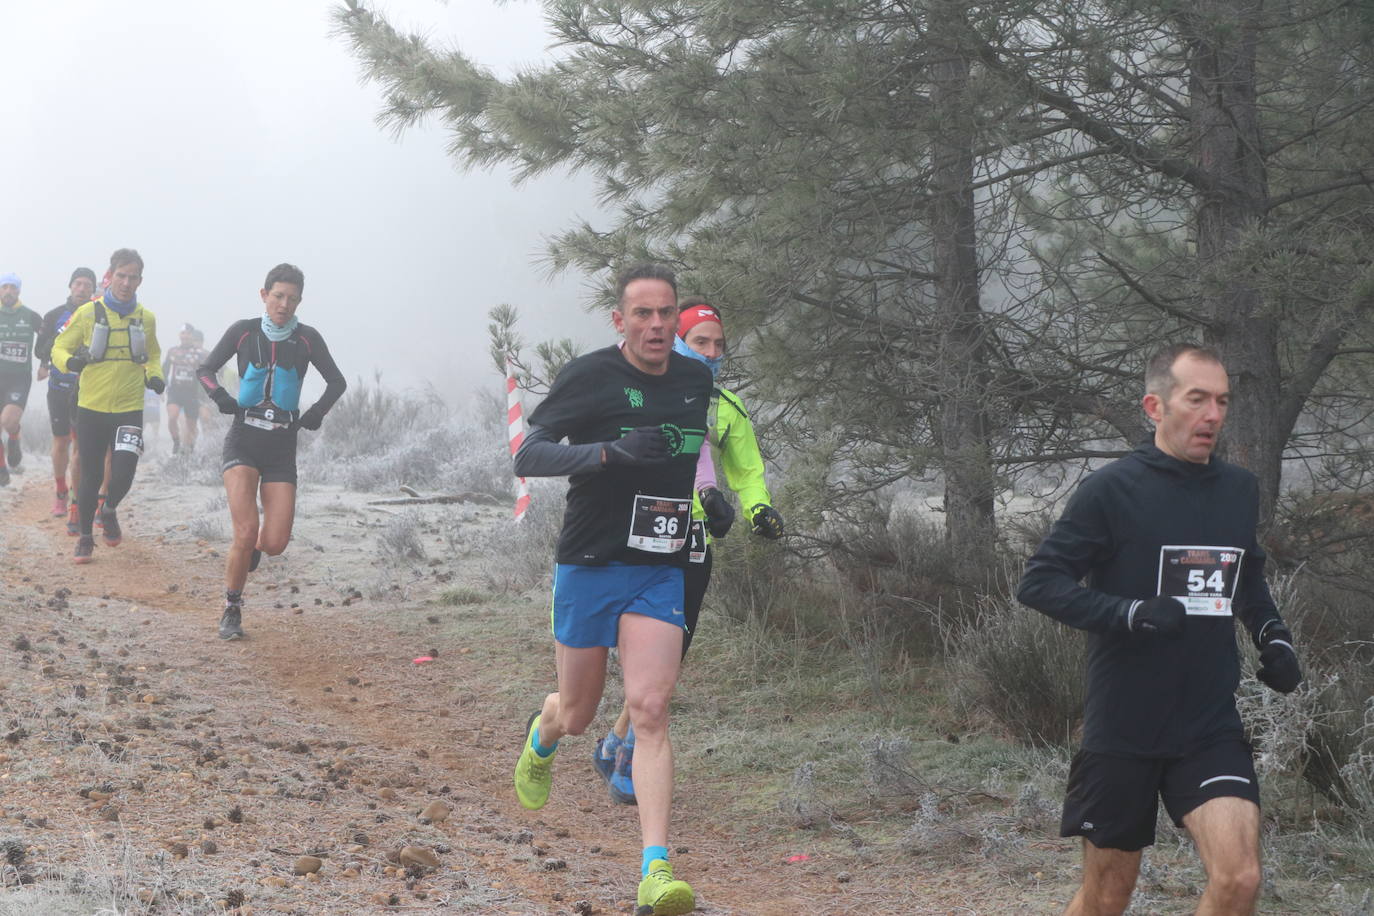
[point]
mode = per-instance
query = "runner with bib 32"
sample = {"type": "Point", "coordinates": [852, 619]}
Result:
{"type": "Point", "coordinates": [112, 342]}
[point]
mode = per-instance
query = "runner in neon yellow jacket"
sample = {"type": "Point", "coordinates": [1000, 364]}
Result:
{"type": "Point", "coordinates": [731, 438]}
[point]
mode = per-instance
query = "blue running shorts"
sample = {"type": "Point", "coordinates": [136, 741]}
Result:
{"type": "Point", "coordinates": [588, 600]}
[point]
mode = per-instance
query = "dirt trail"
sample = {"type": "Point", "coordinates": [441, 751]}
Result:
{"type": "Point", "coordinates": [319, 729]}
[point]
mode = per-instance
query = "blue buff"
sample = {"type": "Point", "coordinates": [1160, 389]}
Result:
{"type": "Point", "coordinates": [539, 748]}
{"type": "Point", "coordinates": [651, 853]}
{"type": "Point", "coordinates": [278, 334]}
{"type": "Point", "coordinates": [680, 346]}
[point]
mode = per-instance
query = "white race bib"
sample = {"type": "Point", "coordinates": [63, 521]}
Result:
{"type": "Point", "coordinates": [1202, 578]}
{"type": "Point", "coordinates": [14, 351]}
{"type": "Point", "coordinates": [267, 417]}
{"type": "Point", "coordinates": [659, 524]}
{"type": "Point", "coordinates": [696, 542]}
{"type": "Point", "coordinates": [129, 439]}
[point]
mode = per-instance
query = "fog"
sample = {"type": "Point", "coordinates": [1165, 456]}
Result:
{"type": "Point", "coordinates": [221, 139]}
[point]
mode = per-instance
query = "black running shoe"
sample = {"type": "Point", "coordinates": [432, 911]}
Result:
{"type": "Point", "coordinates": [14, 452]}
{"type": "Point", "coordinates": [231, 622]}
{"type": "Point", "coordinates": [85, 547]}
{"type": "Point", "coordinates": [110, 523]}
{"type": "Point", "coordinates": [4, 476]}
{"type": "Point", "coordinates": [254, 560]}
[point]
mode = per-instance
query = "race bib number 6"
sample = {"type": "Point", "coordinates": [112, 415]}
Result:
{"type": "Point", "coordinates": [1202, 578]}
{"type": "Point", "coordinates": [659, 525]}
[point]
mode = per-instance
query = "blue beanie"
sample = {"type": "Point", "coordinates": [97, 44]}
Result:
{"type": "Point", "coordinates": [11, 279]}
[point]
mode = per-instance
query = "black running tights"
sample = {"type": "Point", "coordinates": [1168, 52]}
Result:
{"type": "Point", "coordinates": [96, 434]}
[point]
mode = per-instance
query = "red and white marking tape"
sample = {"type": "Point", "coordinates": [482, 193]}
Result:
{"type": "Point", "coordinates": [515, 422]}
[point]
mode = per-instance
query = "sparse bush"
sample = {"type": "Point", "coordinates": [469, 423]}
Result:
{"type": "Point", "coordinates": [800, 804]}
{"type": "Point", "coordinates": [1022, 668]}
{"type": "Point", "coordinates": [400, 537]}
{"type": "Point", "coordinates": [206, 527]}
{"type": "Point", "coordinates": [520, 555]}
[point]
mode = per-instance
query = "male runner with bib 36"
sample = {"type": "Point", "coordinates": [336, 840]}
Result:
{"type": "Point", "coordinates": [1165, 539]}
{"type": "Point", "coordinates": [635, 419]}
{"type": "Point", "coordinates": [274, 351]}
{"type": "Point", "coordinates": [701, 336]}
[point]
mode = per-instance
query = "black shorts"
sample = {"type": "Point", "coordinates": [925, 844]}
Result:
{"type": "Point", "coordinates": [186, 397]}
{"type": "Point", "coordinates": [61, 409]}
{"type": "Point", "coordinates": [271, 452]}
{"type": "Point", "coordinates": [1113, 801]}
{"type": "Point", "coordinates": [14, 389]}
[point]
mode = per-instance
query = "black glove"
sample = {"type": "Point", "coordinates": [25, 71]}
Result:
{"type": "Point", "coordinates": [224, 401]}
{"type": "Point", "coordinates": [155, 384]}
{"type": "Point", "coordinates": [720, 515]}
{"type": "Point", "coordinates": [766, 521]}
{"type": "Point", "coordinates": [1278, 659]}
{"type": "Point", "coordinates": [311, 419]}
{"type": "Point", "coordinates": [77, 361]}
{"type": "Point", "coordinates": [641, 445]}
{"type": "Point", "coordinates": [1158, 616]}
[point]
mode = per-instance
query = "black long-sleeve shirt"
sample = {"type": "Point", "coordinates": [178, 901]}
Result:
{"type": "Point", "coordinates": [1144, 525]}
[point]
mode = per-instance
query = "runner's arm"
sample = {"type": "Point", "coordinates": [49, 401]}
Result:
{"type": "Point", "coordinates": [207, 373]}
{"type": "Point", "coordinates": [706, 468]}
{"type": "Point", "coordinates": [740, 458]}
{"type": "Point", "coordinates": [334, 382]}
{"type": "Point", "coordinates": [73, 337]}
{"type": "Point", "coordinates": [47, 333]}
{"type": "Point", "coordinates": [152, 369]}
{"type": "Point", "coordinates": [543, 455]}
{"type": "Point", "coordinates": [1050, 583]}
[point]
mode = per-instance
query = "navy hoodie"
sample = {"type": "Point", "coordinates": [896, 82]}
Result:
{"type": "Point", "coordinates": [1145, 523]}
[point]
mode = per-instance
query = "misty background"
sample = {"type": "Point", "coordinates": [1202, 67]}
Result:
{"type": "Point", "coordinates": [221, 140]}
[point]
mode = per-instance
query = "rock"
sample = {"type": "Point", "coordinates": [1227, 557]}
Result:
{"type": "Point", "coordinates": [306, 865]}
{"type": "Point", "coordinates": [387, 793]}
{"type": "Point", "coordinates": [179, 850]}
{"type": "Point", "coordinates": [436, 812]}
{"type": "Point", "coordinates": [274, 881]}
{"type": "Point", "coordinates": [844, 877]}
{"type": "Point", "coordinates": [418, 855]}
{"type": "Point", "coordinates": [209, 847]}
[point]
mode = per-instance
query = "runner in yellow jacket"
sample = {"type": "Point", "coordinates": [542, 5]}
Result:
{"type": "Point", "coordinates": [112, 342]}
{"type": "Point", "coordinates": [731, 439]}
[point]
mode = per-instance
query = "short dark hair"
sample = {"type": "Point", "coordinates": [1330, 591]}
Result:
{"type": "Point", "coordinates": [647, 270]}
{"type": "Point", "coordinates": [284, 273]}
{"type": "Point", "coordinates": [1159, 374]}
{"type": "Point", "coordinates": [124, 256]}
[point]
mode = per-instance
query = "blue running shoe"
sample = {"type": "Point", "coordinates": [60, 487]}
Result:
{"type": "Point", "coordinates": [621, 782]}
{"type": "Point", "coordinates": [604, 765]}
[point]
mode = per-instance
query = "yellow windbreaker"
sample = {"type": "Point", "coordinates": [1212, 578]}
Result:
{"type": "Point", "coordinates": [113, 384]}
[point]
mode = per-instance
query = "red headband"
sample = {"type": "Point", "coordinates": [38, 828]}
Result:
{"type": "Point", "coordinates": [695, 315]}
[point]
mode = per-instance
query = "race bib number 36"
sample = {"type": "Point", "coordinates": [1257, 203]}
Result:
{"type": "Point", "coordinates": [659, 525]}
{"type": "Point", "coordinates": [1202, 578]}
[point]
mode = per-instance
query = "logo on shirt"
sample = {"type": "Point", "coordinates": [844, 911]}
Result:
{"type": "Point", "coordinates": [635, 397]}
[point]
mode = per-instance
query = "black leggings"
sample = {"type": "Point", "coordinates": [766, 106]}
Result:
{"type": "Point", "coordinates": [96, 433]}
{"type": "Point", "coordinates": [695, 578]}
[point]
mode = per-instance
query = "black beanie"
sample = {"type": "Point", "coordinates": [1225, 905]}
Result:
{"type": "Point", "coordinates": [82, 272]}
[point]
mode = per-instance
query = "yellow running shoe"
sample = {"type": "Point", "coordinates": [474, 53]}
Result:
{"type": "Point", "coordinates": [533, 774]}
{"type": "Point", "coordinates": [661, 895]}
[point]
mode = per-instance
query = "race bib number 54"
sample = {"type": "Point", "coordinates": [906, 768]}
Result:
{"type": "Point", "coordinates": [1202, 578]}
{"type": "Point", "coordinates": [659, 525]}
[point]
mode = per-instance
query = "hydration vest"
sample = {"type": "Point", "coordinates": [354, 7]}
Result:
{"type": "Point", "coordinates": [100, 336]}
